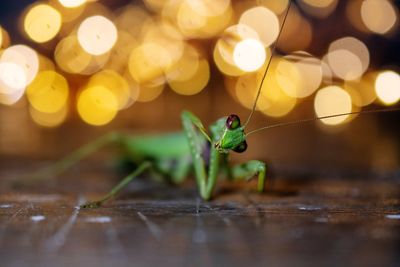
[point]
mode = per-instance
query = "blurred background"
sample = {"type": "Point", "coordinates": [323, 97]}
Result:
{"type": "Point", "coordinates": [72, 70]}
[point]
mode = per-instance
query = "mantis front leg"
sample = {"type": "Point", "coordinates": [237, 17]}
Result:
{"type": "Point", "coordinates": [205, 183]}
{"type": "Point", "coordinates": [248, 170]}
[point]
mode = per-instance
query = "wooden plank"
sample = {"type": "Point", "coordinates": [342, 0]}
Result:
{"type": "Point", "coordinates": [300, 222]}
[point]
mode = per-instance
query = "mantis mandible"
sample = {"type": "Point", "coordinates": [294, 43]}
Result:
{"type": "Point", "coordinates": [175, 155]}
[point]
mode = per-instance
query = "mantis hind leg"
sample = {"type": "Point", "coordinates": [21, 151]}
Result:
{"type": "Point", "coordinates": [95, 204]}
{"type": "Point", "coordinates": [67, 162]}
{"type": "Point", "coordinates": [178, 174]}
{"type": "Point", "coordinates": [248, 170]}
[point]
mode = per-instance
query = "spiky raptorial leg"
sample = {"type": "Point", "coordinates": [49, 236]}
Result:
{"type": "Point", "coordinates": [249, 169]}
{"type": "Point", "coordinates": [206, 184]}
{"type": "Point", "coordinates": [95, 204]}
{"type": "Point", "coordinates": [67, 162]}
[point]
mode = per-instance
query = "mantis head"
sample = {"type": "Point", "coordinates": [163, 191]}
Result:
{"type": "Point", "coordinates": [233, 136]}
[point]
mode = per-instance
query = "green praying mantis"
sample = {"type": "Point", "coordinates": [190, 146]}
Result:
{"type": "Point", "coordinates": [175, 155]}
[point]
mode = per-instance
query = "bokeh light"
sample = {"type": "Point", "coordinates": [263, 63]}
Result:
{"type": "Point", "coordinates": [264, 22]}
{"type": "Point", "coordinates": [319, 3]}
{"type": "Point", "coordinates": [345, 64]}
{"type": "Point", "coordinates": [45, 63]}
{"type": "Point", "coordinates": [115, 83]}
{"type": "Point", "coordinates": [278, 7]}
{"type": "Point", "coordinates": [4, 38]}
{"type": "Point", "coordinates": [273, 101]}
{"type": "Point", "coordinates": [49, 92]}
{"type": "Point", "coordinates": [189, 20]}
{"type": "Point", "coordinates": [194, 84]}
{"type": "Point", "coordinates": [216, 24]}
{"type": "Point", "coordinates": [49, 120]}
{"type": "Point", "coordinates": [225, 47]}
{"type": "Point", "coordinates": [168, 43]}
{"type": "Point", "coordinates": [200, 19]}
{"type": "Point", "coordinates": [239, 32]}
{"type": "Point", "coordinates": [156, 53]}
{"type": "Point", "coordinates": [245, 89]}
{"type": "Point", "coordinates": [97, 35]}
{"type": "Point", "coordinates": [387, 86]}
{"type": "Point", "coordinates": [23, 56]}
{"type": "Point", "coordinates": [12, 77]}
{"type": "Point", "coordinates": [131, 15]}
{"type": "Point", "coordinates": [249, 55]}
{"type": "Point", "coordinates": [186, 67]}
{"type": "Point", "coordinates": [288, 77]}
{"type": "Point", "coordinates": [42, 23]}
{"type": "Point", "coordinates": [319, 8]}
{"type": "Point", "coordinates": [155, 5]}
{"type": "Point", "coordinates": [379, 16]}
{"type": "Point", "coordinates": [348, 58]}
{"type": "Point", "coordinates": [69, 15]}
{"type": "Point", "coordinates": [121, 51]}
{"type": "Point", "coordinates": [19, 65]}
{"type": "Point", "coordinates": [11, 98]}
{"type": "Point", "coordinates": [299, 74]}
{"type": "Point", "coordinates": [144, 65]}
{"type": "Point", "coordinates": [127, 52]}
{"type": "Point", "coordinates": [72, 58]}
{"type": "Point", "coordinates": [147, 92]}
{"type": "Point", "coordinates": [353, 14]}
{"type": "Point", "coordinates": [362, 91]}
{"type": "Point", "coordinates": [209, 8]}
{"type": "Point", "coordinates": [327, 75]}
{"type": "Point", "coordinates": [72, 3]}
{"type": "Point", "coordinates": [332, 100]}
{"type": "Point", "coordinates": [223, 65]}
{"type": "Point", "coordinates": [97, 105]}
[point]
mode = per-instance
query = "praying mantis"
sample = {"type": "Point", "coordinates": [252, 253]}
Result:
{"type": "Point", "coordinates": [175, 155]}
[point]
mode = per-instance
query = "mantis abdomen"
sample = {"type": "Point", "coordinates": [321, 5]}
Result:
{"type": "Point", "coordinates": [171, 145]}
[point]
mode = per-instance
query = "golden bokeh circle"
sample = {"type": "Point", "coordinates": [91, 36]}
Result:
{"type": "Point", "coordinates": [42, 23]}
{"type": "Point", "coordinates": [49, 92]}
{"type": "Point", "coordinates": [97, 105]}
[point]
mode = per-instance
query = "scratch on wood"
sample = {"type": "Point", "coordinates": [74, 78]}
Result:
{"type": "Point", "coordinates": [153, 228]}
{"type": "Point", "coordinates": [55, 242]}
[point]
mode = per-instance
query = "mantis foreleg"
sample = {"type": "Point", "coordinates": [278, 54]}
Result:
{"type": "Point", "coordinates": [248, 170]}
{"type": "Point", "coordinates": [195, 141]}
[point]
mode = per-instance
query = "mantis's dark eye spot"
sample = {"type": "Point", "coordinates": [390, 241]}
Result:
{"type": "Point", "coordinates": [232, 122]}
{"type": "Point", "coordinates": [241, 147]}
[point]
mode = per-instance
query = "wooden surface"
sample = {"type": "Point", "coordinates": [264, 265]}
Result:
{"type": "Point", "coordinates": [299, 222]}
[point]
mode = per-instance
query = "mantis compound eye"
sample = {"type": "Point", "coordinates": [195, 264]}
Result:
{"type": "Point", "coordinates": [241, 147]}
{"type": "Point", "coordinates": [232, 122]}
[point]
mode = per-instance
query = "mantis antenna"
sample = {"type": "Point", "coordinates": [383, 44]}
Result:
{"type": "Point", "coordinates": [268, 64]}
{"type": "Point", "coordinates": [291, 123]}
